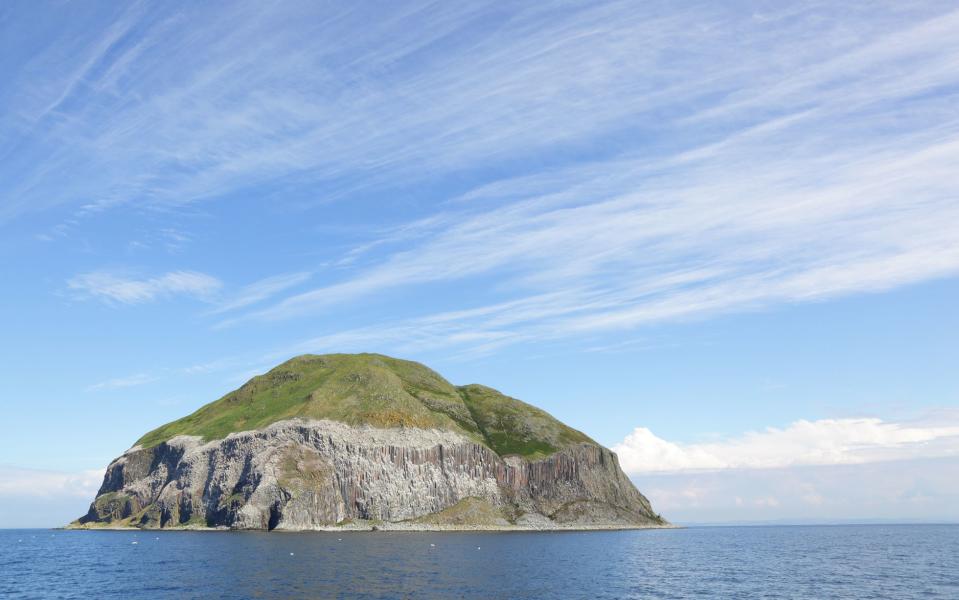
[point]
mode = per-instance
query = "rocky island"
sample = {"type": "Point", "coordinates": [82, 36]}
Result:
{"type": "Point", "coordinates": [366, 441]}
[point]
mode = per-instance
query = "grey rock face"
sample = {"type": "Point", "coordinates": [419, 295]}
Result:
{"type": "Point", "coordinates": [300, 474]}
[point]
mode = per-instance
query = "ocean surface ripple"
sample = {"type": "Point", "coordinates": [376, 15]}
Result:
{"type": "Point", "coordinates": [855, 561]}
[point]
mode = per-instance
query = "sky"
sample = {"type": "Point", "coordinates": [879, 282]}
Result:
{"type": "Point", "coordinates": [720, 238]}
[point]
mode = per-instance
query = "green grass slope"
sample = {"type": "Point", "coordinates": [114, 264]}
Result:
{"type": "Point", "coordinates": [377, 390]}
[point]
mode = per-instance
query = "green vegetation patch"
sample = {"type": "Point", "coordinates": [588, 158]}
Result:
{"type": "Point", "coordinates": [512, 427]}
{"type": "Point", "coordinates": [376, 390]}
{"type": "Point", "coordinates": [360, 389]}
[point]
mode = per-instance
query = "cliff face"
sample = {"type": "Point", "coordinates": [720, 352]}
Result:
{"type": "Point", "coordinates": [312, 474]}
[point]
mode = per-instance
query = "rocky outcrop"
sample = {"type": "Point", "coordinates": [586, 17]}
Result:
{"type": "Point", "coordinates": [317, 474]}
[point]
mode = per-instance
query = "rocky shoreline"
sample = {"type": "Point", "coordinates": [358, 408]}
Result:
{"type": "Point", "coordinates": [360, 528]}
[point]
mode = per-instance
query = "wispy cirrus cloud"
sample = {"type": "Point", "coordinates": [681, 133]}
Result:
{"type": "Point", "coordinates": [261, 290]}
{"type": "Point", "coordinates": [831, 178]}
{"type": "Point", "coordinates": [619, 245]}
{"type": "Point", "coordinates": [340, 95]}
{"type": "Point", "coordinates": [198, 124]}
{"type": "Point", "coordinates": [803, 443]}
{"type": "Point", "coordinates": [755, 167]}
{"type": "Point", "coordinates": [116, 288]}
{"type": "Point", "coordinates": [122, 382]}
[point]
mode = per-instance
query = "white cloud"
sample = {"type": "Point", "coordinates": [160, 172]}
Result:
{"type": "Point", "coordinates": [122, 382]}
{"type": "Point", "coordinates": [452, 87]}
{"type": "Point", "coordinates": [261, 290]}
{"type": "Point", "coordinates": [19, 482]}
{"type": "Point", "coordinates": [822, 442]}
{"type": "Point", "coordinates": [115, 288]}
{"type": "Point", "coordinates": [920, 489]}
{"type": "Point", "coordinates": [802, 199]}
{"type": "Point", "coordinates": [791, 156]}
{"type": "Point", "coordinates": [195, 124]}
{"type": "Point", "coordinates": [603, 248]}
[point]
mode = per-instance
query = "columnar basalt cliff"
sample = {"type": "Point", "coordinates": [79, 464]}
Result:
{"type": "Point", "coordinates": [362, 441]}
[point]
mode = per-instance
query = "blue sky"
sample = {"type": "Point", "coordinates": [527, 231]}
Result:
{"type": "Point", "coordinates": [723, 240]}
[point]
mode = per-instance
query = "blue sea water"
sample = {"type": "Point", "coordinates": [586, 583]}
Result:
{"type": "Point", "coordinates": [859, 561]}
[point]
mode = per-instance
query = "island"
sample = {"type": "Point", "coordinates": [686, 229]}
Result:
{"type": "Point", "coordinates": [366, 441]}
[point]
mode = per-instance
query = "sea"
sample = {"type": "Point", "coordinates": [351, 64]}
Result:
{"type": "Point", "coordinates": [817, 562]}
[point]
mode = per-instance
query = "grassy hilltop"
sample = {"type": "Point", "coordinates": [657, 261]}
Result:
{"type": "Point", "coordinates": [377, 390]}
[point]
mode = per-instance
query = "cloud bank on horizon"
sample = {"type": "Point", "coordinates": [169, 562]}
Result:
{"type": "Point", "coordinates": [802, 443]}
{"type": "Point", "coordinates": [453, 181]}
